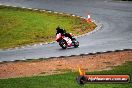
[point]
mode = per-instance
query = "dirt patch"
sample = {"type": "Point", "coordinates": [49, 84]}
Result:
{"type": "Point", "coordinates": [65, 64]}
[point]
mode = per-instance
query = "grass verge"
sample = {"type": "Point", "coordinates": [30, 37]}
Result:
{"type": "Point", "coordinates": [67, 80]}
{"type": "Point", "coordinates": [21, 26]}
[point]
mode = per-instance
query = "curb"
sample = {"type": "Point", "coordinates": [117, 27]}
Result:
{"type": "Point", "coordinates": [45, 58]}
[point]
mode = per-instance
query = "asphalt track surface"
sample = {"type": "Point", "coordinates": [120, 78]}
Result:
{"type": "Point", "coordinates": [115, 34]}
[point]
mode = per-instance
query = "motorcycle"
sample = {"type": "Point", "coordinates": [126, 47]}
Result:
{"type": "Point", "coordinates": [65, 42]}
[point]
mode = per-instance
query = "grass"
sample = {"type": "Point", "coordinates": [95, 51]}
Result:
{"type": "Point", "coordinates": [21, 26]}
{"type": "Point", "coordinates": [67, 80]}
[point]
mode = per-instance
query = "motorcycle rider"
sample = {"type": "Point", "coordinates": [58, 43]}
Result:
{"type": "Point", "coordinates": [63, 32]}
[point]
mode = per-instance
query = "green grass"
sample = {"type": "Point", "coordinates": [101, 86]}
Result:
{"type": "Point", "coordinates": [21, 26]}
{"type": "Point", "coordinates": [67, 80]}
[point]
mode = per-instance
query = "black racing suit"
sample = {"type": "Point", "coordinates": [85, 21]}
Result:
{"type": "Point", "coordinates": [62, 31]}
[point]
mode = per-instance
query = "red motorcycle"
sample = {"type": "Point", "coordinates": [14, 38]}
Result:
{"type": "Point", "coordinates": [65, 42]}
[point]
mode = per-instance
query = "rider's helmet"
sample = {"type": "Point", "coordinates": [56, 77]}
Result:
{"type": "Point", "coordinates": [58, 28]}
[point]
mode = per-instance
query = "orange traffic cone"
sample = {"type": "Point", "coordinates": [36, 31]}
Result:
{"type": "Point", "coordinates": [89, 18]}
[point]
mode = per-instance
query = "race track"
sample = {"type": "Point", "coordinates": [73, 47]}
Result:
{"type": "Point", "coordinates": [115, 34]}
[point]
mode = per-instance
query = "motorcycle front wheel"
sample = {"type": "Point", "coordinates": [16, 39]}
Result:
{"type": "Point", "coordinates": [63, 44]}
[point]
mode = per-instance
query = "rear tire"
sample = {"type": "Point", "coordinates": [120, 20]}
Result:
{"type": "Point", "coordinates": [75, 42]}
{"type": "Point", "coordinates": [63, 44]}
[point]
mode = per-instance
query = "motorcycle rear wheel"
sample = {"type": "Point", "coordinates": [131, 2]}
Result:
{"type": "Point", "coordinates": [75, 42]}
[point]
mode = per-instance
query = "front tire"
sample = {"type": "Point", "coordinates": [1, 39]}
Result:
{"type": "Point", "coordinates": [63, 44]}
